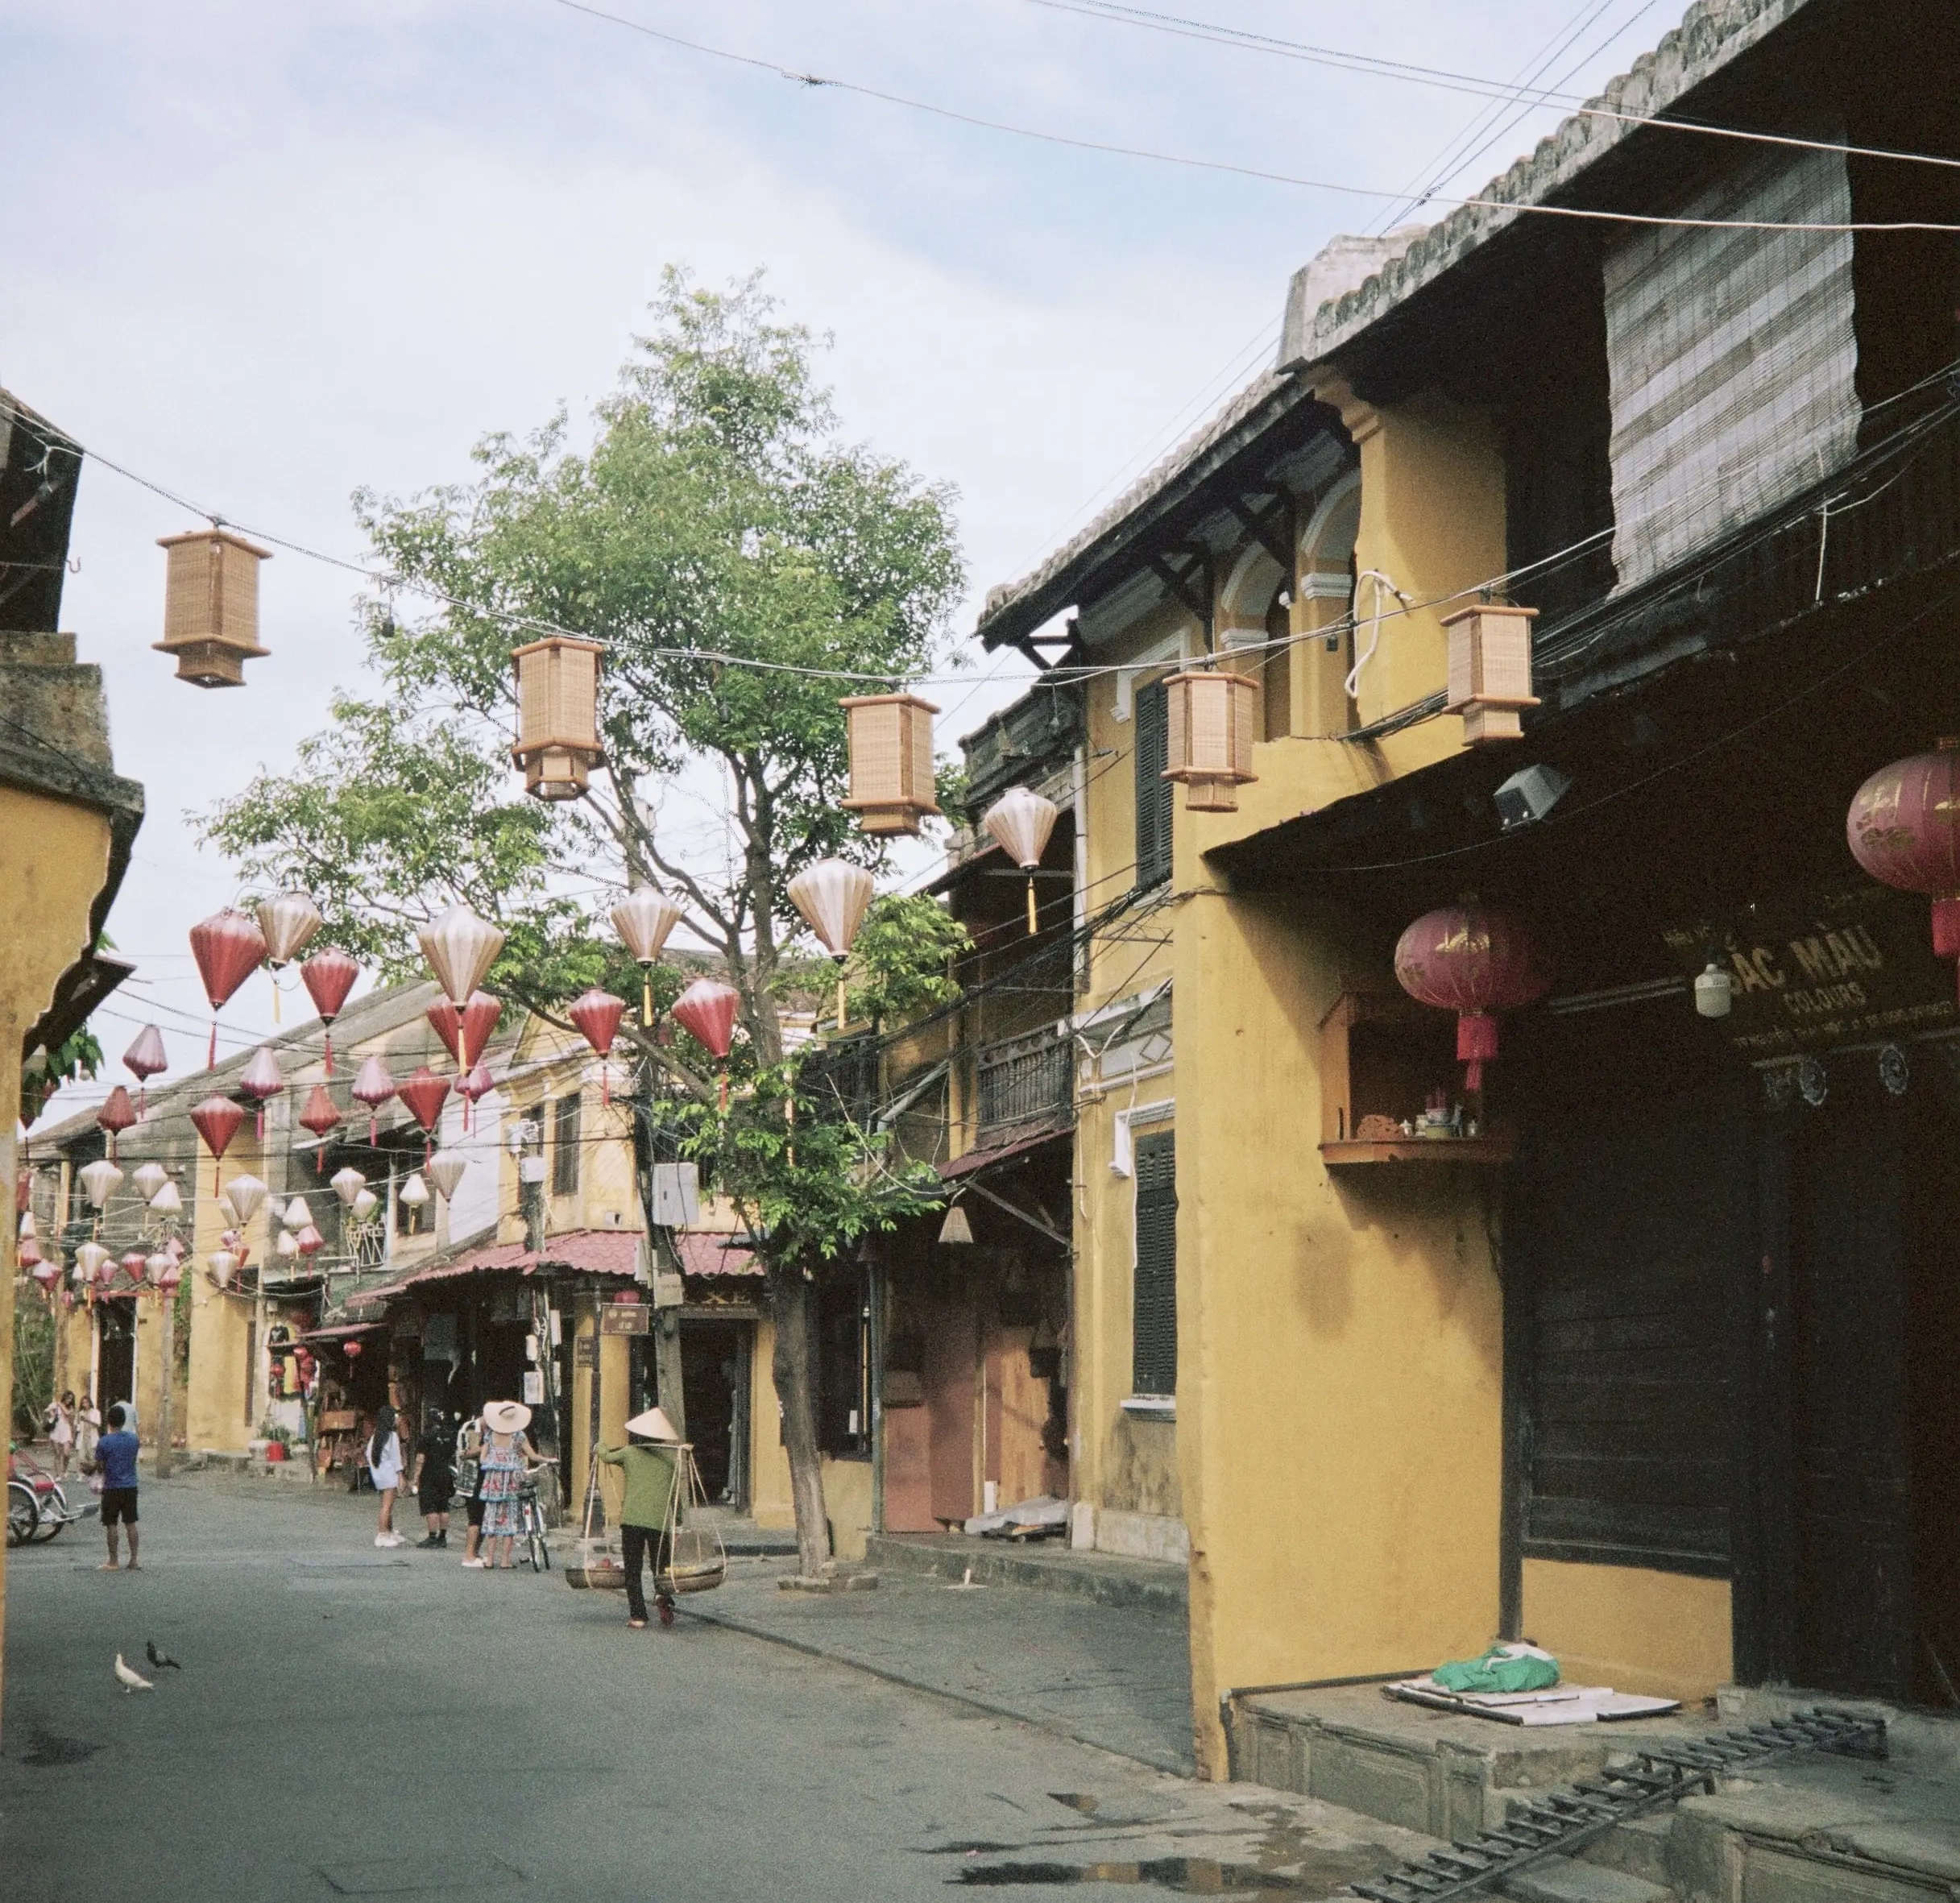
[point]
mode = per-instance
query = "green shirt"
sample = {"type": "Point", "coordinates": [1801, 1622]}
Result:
{"type": "Point", "coordinates": [650, 1483]}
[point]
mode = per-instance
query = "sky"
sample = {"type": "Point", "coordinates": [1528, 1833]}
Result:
{"type": "Point", "coordinates": [262, 253]}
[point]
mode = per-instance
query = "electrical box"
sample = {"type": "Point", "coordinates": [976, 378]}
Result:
{"type": "Point", "coordinates": [677, 1194]}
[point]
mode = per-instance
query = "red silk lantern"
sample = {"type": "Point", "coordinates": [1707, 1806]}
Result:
{"type": "Point", "coordinates": [261, 1081]}
{"type": "Point", "coordinates": [144, 1060]}
{"type": "Point", "coordinates": [351, 1349]}
{"type": "Point", "coordinates": [321, 1115]}
{"type": "Point", "coordinates": [423, 1091]}
{"type": "Point", "coordinates": [116, 1115]}
{"type": "Point", "coordinates": [706, 1008]}
{"type": "Point", "coordinates": [467, 1031]}
{"type": "Point", "coordinates": [597, 1014]}
{"type": "Point", "coordinates": [329, 975]}
{"type": "Point", "coordinates": [217, 1120]}
{"type": "Point", "coordinates": [1904, 828]}
{"type": "Point", "coordinates": [29, 1255]}
{"type": "Point", "coordinates": [1473, 961]}
{"type": "Point", "coordinates": [228, 947]}
{"type": "Point", "coordinates": [373, 1086]}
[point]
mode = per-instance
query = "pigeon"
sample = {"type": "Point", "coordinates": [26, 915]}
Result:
{"type": "Point", "coordinates": [132, 1681]}
{"type": "Point", "coordinates": [161, 1659]}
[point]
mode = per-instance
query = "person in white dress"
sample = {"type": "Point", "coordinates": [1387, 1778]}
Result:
{"type": "Point", "coordinates": [59, 1419]}
{"type": "Point", "coordinates": [384, 1457]}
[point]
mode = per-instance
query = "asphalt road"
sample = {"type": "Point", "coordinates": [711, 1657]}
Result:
{"type": "Point", "coordinates": [356, 1723]}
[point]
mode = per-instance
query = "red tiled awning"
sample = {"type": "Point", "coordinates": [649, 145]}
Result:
{"type": "Point", "coordinates": [590, 1251]}
{"type": "Point", "coordinates": [716, 1255]}
{"type": "Point", "coordinates": [332, 1336]}
{"type": "Point", "coordinates": [977, 1160]}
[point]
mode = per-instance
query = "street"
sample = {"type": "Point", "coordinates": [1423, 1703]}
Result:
{"type": "Point", "coordinates": [350, 1722]}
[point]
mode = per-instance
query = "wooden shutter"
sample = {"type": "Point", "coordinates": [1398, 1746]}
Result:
{"type": "Point", "coordinates": [1153, 791]}
{"type": "Point", "coordinates": [1154, 1352]}
{"type": "Point", "coordinates": [565, 1147]}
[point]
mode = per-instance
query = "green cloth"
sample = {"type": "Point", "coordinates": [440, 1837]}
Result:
{"type": "Point", "coordinates": [650, 1473]}
{"type": "Point", "coordinates": [1503, 1668]}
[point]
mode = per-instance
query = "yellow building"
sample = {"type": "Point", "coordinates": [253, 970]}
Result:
{"type": "Point", "coordinates": [66, 821]}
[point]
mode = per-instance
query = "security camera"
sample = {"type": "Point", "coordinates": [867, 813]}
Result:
{"type": "Point", "coordinates": [1529, 794]}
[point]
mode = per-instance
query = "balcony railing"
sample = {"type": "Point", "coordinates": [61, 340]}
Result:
{"type": "Point", "coordinates": [1023, 1081]}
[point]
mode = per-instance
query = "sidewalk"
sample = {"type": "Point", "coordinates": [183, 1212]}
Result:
{"type": "Point", "coordinates": [1115, 1676]}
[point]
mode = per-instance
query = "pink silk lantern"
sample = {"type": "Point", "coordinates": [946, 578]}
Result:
{"type": "Point", "coordinates": [1474, 961]}
{"type": "Point", "coordinates": [217, 1120]}
{"type": "Point", "coordinates": [597, 1014]}
{"type": "Point", "coordinates": [467, 1029]}
{"type": "Point", "coordinates": [261, 1081]}
{"type": "Point", "coordinates": [423, 1091]}
{"type": "Point", "coordinates": [135, 1265]}
{"type": "Point", "coordinates": [229, 947]}
{"type": "Point", "coordinates": [373, 1086]}
{"type": "Point", "coordinates": [144, 1060]}
{"type": "Point", "coordinates": [329, 975]}
{"type": "Point", "coordinates": [707, 1009]}
{"type": "Point", "coordinates": [473, 1088]}
{"type": "Point", "coordinates": [1904, 828]}
{"type": "Point", "coordinates": [321, 1115]}
{"type": "Point", "coordinates": [116, 1115]}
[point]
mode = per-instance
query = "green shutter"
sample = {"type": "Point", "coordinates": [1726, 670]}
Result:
{"type": "Point", "coordinates": [1153, 791]}
{"type": "Point", "coordinates": [1154, 1361]}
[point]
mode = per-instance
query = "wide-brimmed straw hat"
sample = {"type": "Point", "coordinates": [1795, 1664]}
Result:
{"type": "Point", "coordinates": [654, 1425]}
{"type": "Point", "coordinates": [506, 1417]}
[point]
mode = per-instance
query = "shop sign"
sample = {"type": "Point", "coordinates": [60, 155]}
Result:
{"type": "Point", "coordinates": [625, 1318]}
{"type": "Point", "coordinates": [586, 1352]}
{"type": "Point", "coordinates": [1845, 967]}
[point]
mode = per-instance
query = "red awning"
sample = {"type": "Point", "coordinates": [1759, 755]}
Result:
{"type": "Point", "coordinates": [977, 1160]}
{"type": "Point", "coordinates": [716, 1255]}
{"type": "Point", "coordinates": [332, 1335]}
{"type": "Point", "coordinates": [590, 1251]}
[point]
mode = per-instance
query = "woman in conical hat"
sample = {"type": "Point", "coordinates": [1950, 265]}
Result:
{"type": "Point", "coordinates": [652, 1463]}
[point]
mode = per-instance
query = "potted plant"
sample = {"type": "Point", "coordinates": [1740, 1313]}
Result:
{"type": "Point", "coordinates": [278, 1440]}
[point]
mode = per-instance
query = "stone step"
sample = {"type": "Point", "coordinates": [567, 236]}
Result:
{"type": "Point", "coordinates": [1049, 1566]}
{"type": "Point", "coordinates": [1570, 1880]}
{"type": "Point", "coordinates": [1639, 1847]}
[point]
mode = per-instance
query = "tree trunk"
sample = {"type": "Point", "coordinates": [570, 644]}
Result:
{"type": "Point", "coordinates": [792, 1300]}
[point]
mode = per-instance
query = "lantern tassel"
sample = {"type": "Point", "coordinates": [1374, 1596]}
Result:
{"type": "Point", "coordinates": [210, 1057]}
{"type": "Point", "coordinates": [646, 997]}
{"type": "Point", "coordinates": [1034, 923]}
{"type": "Point", "coordinates": [374, 1128]}
{"type": "Point", "coordinates": [724, 1093]}
{"type": "Point", "coordinates": [275, 997]}
{"type": "Point", "coordinates": [329, 1051]}
{"type": "Point", "coordinates": [840, 995]}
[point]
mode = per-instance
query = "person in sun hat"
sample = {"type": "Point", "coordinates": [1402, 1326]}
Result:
{"type": "Point", "coordinates": [652, 1460]}
{"type": "Point", "coordinates": [507, 1456]}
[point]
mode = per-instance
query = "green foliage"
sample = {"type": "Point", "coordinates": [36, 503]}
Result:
{"type": "Point", "coordinates": [903, 959]}
{"type": "Point", "coordinates": [34, 1360]}
{"type": "Point", "coordinates": [78, 1055]}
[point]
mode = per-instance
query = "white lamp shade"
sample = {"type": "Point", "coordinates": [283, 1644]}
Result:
{"type": "Point", "coordinates": [460, 949]}
{"type": "Point", "coordinates": [99, 1180]}
{"type": "Point", "coordinates": [832, 894]}
{"type": "Point", "coordinates": [224, 1266]}
{"type": "Point", "coordinates": [348, 1183]}
{"type": "Point", "coordinates": [956, 1231]}
{"type": "Point", "coordinates": [415, 1192]}
{"type": "Point", "coordinates": [245, 1194]}
{"type": "Point", "coordinates": [89, 1259]}
{"type": "Point", "coordinates": [1022, 821]}
{"type": "Point", "coordinates": [364, 1205]}
{"type": "Point", "coordinates": [148, 1179]}
{"type": "Point", "coordinates": [296, 1215]}
{"type": "Point", "coordinates": [642, 919]}
{"type": "Point", "coordinates": [26, 1225]}
{"type": "Point", "coordinates": [168, 1200]}
{"type": "Point", "coordinates": [287, 922]}
{"type": "Point", "coordinates": [1715, 989]}
{"type": "Point", "coordinates": [159, 1265]}
{"type": "Point", "coordinates": [287, 1245]}
{"type": "Point", "coordinates": [446, 1169]}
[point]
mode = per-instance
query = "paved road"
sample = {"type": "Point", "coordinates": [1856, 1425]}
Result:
{"type": "Point", "coordinates": [354, 1722]}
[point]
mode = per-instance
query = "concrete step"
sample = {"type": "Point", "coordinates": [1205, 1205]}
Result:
{"type": "Point", "coordinates": [1638, 1847]}
{"type": "Point", "coordinates": [1568, 1879]}
{"type": "Point", "coordinates": [1049, 1566]}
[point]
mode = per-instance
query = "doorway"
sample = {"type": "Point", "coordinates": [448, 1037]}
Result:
{"type": "Point", "coordinates": [714, 1375]}
{"type": "Point", "coordinates": [115, 1370]}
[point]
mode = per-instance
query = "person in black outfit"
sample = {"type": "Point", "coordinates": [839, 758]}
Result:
{"type": "Point", "coordinates": [435, 1476]}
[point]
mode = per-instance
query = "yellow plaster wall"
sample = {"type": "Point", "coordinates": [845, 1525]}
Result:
{"type": "Point", "coordinates": [847, 1483]}
{"type": "Point", "coordinates": [54, 858]}
{"type": "Point", "coordinates": [1636, 1630]}
{"type": "Point", "coordinates": [614, 1373]}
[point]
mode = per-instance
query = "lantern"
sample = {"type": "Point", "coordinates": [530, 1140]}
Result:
{"type": "Point", "coordinates": [296, 1215]}
{"type": "Point", "coordinates": [414, 1192]}
{"type": "Point", "coordinates": [211, 605]}
{"type": "Point", "coordinates": [321, 1115]}
{"type": "Point", "coordinates": [224, 1265]}
{"type": "Point", "coordinates": [134, 1264]}
{"type": "Point", "coordinates": [148, 1179]}
{"type": "Point", "coordinates": [144, 1059]}
{"type": "Point", "coordinates": [347, 1184]}
{"type": "Point", "coordinates": [158, 1266]}
{"type": "Point", "coordinates": [351, 1349]}
{"type": "Point", "coordinates": [642, 919]}
{"type": "Point", "coordinates": [46, 1274]}
{"type": "Point", "coordinates": [1490, 670]}
{"type": "Point", "coordinates": [891, 761]}
{"type": "Point", "coordinates": [28, 1255]}
{"type": "Point", "coordinates": [168, 1200]}
{"type": "Point", "coordinates": [329, 975]}
{"type": "Point", "coordinates": [28, 1226]}
{"type": "Point", "coordinates": [116, 1115]}
{"type": "Point", "coordinates": [446, 1169]}
{"type": "Point", "coordinates": [171, 1277]}
{"type": "Point", "coordinates": [832, 894]}
{"type": "Point", "coordinates": [98, 1179]}
{"type": "Point", "coordinates": [466, 1030]}
{"type": "Point", "coordinates": [287, 922]}
{"type": "Point", "coordinates": [245, 1194]}
{"type": "Point", "coordinates": [477, 1084]}
{"type": "Point", "coordinates": [309, 1242]}
{"type": "Point", "coordinates": [373, 1086]}
{"type": "Point", "coordinates": [1715, 989]}
{"type": "Point", "coordinates": [557, 715]}
{"type": "Point", "coordinates": [1472, 961]}
{"type": "Point", "coordinates": [597, 1014]}
{"type": "Point", "coordinates": [460, 949]}
{"type": "Point", "coordinates": [707, 1009]}
{"type": "Point", "coordinates": [217, 1120]}
{"type": "Point", "coordinates": [228, 948]}
{"type": "Point", "coordinates": [261, 1081]}
{"type": "Point", "coordinates": [1904, 828]}
{"type": "Point", "coordinates": [1021, 820]}
{"type": "Point", "coordinates": [91, 1259]}
{"type": "Point", "coordinates": [956, 1231]}
{"type": "Point", "coordinates": [1211, 717]}
{"type": "Point", "coordinates": [286, 1248]}
{"type": "Point", "coordinates": [364, 1205]}
{"type": "Point", "coordinates": [423, 1092]}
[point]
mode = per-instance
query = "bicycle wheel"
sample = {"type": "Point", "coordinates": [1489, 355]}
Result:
{"type": "Point", "coordinates": [543, 1545]}
{"type": "Point", "coordinates": [23, 1516]}
{"type": "Point", "coordinates": [53, 1507]}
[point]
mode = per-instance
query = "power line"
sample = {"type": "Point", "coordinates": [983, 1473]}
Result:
{"type": "Point", "coordinates": [1234, 169]}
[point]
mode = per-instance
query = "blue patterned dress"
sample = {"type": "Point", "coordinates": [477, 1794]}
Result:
{"type": "Point", "coordinates": [504, 1465]}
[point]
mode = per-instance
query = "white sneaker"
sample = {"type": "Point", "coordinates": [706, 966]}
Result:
{"type": "Point", "coordinates": [478, 1565]}
{"type": "Point", "coordinates": [390, 1539]}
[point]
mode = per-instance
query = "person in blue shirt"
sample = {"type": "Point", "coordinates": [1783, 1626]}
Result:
{"type": "Point", "coordinates": [115, 1460]}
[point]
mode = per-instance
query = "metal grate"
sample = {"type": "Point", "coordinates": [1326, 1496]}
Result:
{"type": "Point", "coordinates": [1561, 1821]}
{"type": "Point", "coordinates": [1023, 1081]}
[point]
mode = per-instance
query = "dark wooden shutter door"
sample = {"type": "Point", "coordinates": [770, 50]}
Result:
{"type": "Point", "coordinates": [1154, 1353]}
{"type": "Point", "coordinates": [1153, 791]}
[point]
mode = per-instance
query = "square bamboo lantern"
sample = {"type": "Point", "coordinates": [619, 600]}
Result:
{"type": "Point", "coordinates": [891, 761]}
{"type": "Point", "coordinates": [557, 715]}
{"type": "Point", "coordinates": [211, 606]}
{"type": "Point", "coordinates": [1213, 717]}
{"type": "Point", "coordinates": [1490, 671]}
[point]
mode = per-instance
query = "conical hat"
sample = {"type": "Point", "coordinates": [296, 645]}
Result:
{"type": "Point", "coordinates": [654, 1425]}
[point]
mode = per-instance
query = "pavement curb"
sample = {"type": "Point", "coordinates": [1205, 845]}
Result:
{"type": "Point", "coordinates": [1138, 1584]}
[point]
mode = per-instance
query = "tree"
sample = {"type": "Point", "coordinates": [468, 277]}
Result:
{"type": "Point", "coordinates": [744, 567]}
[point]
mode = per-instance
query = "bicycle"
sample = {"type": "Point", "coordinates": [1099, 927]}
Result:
{"type": "Point", "coordinates": [52, 1510]}
{"type": "Point", "coordinates": [530, 1523]}
{"type": "Point", "coordinates": [23, 1514]}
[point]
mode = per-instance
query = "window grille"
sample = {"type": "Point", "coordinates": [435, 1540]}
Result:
{"type": "Point", "coordinates": [564, 1145]}
{"type": "Point", "coordinates": [1154, 1334]}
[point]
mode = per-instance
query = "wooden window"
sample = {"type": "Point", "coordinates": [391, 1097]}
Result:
{"type": "Point", "coordinates": [1154, 1338]}
{"type": "Point", "coordinates": [1153, 791]}
{"type": "Point", "coordinates": [564, 1145]}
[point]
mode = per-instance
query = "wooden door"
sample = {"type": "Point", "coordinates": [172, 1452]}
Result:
{"type": "Point", "coordinates": [951, 1383]}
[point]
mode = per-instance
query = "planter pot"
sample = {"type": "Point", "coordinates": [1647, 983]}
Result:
{"type": "Point", "coordinates": [275, 1451]}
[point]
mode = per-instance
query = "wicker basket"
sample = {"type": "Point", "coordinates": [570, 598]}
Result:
{"type": "Point", "coordinates": [697, 1560]}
